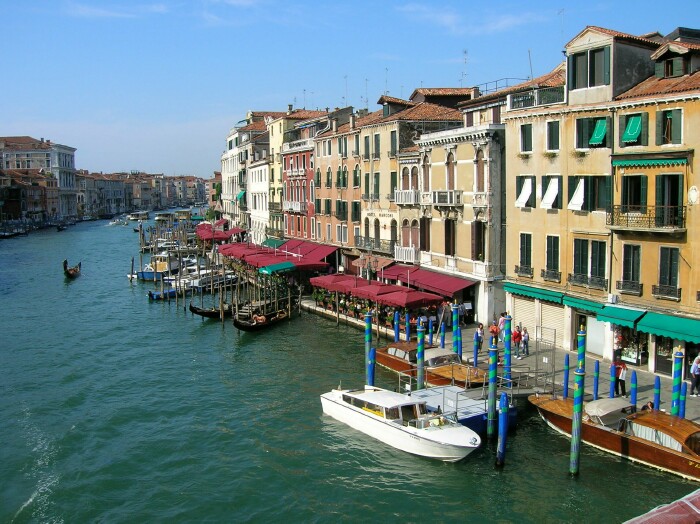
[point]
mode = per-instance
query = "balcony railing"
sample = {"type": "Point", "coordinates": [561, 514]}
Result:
{"type": "Point", "coordinates": [524, 271]}
{"type": "Point", "coordinates": [355, 152]}
{"type": "Point", "coordinates": [629, 287]}
{"type": "Point", "coordinates": [375, 244]}
{"type": "Point", "coordinates": [407, 197]}
{"type": "Point", "coordinates": [275, 207]}
{"type": "Point", "coordinates": [376, 155]}
{"type": "Point", "coordinates": [392, 153]}
{"type": "Point", "coordinates": [409, 254]}
{"type": "Point", "coordinates": [445, 198]}
{"type": "Point", "coordinates": [537, 97]}
{"type": "Point", "coordinates": [306, 143]}
{"type": "Point", "coordinates": [272, 232]}
{"type": "Point", "coordinates": [578, 279]}
{"type": "Point", "coordinates": [551, 275]}
{"type": "Point", "coordinates": [666, 291]}
{"type": "Point", "coordinates": [341, 215]}
{"type": "Point", "coordinates": [294, 207]}
{"type": "Point", "coordinates": [370, 197]}
{"type": "Point", "coordinates": [660, 218]}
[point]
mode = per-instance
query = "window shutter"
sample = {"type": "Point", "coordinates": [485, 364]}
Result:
{"type": "Point", "coordinates": [338, 177]}
{"type": "Point", "coordinates": [659, 191]}
{"type": "Point", "coordinates": [643, 195]}
{"type": "Point", "coordinates": [607, 192]}
{"type": "Point", "coordinates": [659, 128]}
{"type": "Point", "coordinates": [571, 70]}
{"type": "Point", "coordinates": [474, 244]}
{"type": "Point", "coordinates": [606, 66]}
{"type": "Point", "coordinates": [573, 182]}
{"type": "Point", "coordinates": [681, 190]}
{"type": "Point", "coordinates": [676, 125]}
{"type": "Point", "coordinates": [608, 130]}
{"type": "Point", "coordinates": [664, 261]}
{"type": "Point", "coordinates": [659, 69]}
{"type": "Point", "coordinates": [367, 191]}
{"type": "Point", "coordinates": [621, 127]}
{"type": "Point", "coordinates": [644, 136]}
{"type": "Point", "coordinates": [626, 264]}
{"type": "Point", "coordinates": [673, 269]}
{"type": "Point", "coordinates": [677, 66]}
{"type": "Point", "coordinates": [393, 182]}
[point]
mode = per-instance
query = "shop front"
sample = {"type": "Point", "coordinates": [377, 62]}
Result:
{"type": "Point", "coordinates": [668, 334]}
{"type": "Point", "coordinates": [631, 344]}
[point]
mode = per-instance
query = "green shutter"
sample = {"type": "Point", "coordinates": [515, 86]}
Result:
{"type": "Point", "coordinates": [571, 72]}
{"type": "Point", "coordinates": [599, 132]}
{"type": "Point", "coordinates": [643, 196]}
{"type": "Point", "coordinates": [633, 128]}
{"type": "Point", "coordinates": [606, 65]}
{"type": "Point", "coordinates": [645, 129]}
{"type": "Point", "coordinates": [677, 66]}
{"type": "Point", "coordinates": [572, 183]}
{"type": "Point", "coordinates": [393, 181]}
{"type": "Point", "coordinates": [659, 128]}
{"type": "Point", "coordinates": [622, 124]}
{"type": "Point", "coordinates": [660, 190]}
{"type": "Point", "coordinates": [673, 276]}
{"type": "Point", "coordinates": [664, 260]}
{"type": "Point", "coordinates": [376, 185]}
{"type": "Point", "coordinates": [367, 191]}
{"type": "Point", "coordinates": [607, 192]}
{"type": "Point", "coordinates": [659, 69]}
{"type": "Point", "coordinates": [676, 125]}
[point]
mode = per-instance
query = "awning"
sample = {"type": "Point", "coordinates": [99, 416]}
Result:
{"type": "Point", "coordinates": [576, 202]}
{"type": "Point", "coordinates": [550, 194]}
{"type": "Point", "coordinates": [633, 129]}
{"type": "Point", "coordinates": [325, 281]}
{"type": "Point", "coordinates": [319, 252]}
{"type": "Point", "coordinates": [400, 272]}
{"type": "Point", "coordinates": [620, 316]}
{"type": "Point", "coordinates": [582, 303]}
{"type": "Point", "coordinates": [273, 242]}
{"type": "Point", "coordinates": [446, 285]}
{"type": "Point", "coordinates": [680, 328]}
{"type": "Point", "coordinates": [279, 267]}
{"type": "Point", "coordinates": [240, 195]}
{"type": "Point", "coordinates": [374, 290]}
{"type": "Point", "coordinates": [409, 298]}
{"type": "Point", "coordinates": [649, 162]}
{"type": "Point", "coordinates": [525, 192]}
{"type": "Point", "coordinates": [599, 132]}
{"type": "Point", "coordinates": [533, 292]}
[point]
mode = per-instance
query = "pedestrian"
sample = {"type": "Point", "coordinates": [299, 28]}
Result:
{"type": "Point", "coordinates": [695, 377]}
{"type": "Point", "coordinates": [525, 342]}
{"type": "Point", "coordinates": [493, 330]}
{"type": "Point", "coordinates": [649, 406]}
{"type": "Point", "coordinates": [502, 326]}
{"type": "Point", "coordinates": [620, 375]}
{"type": "Point", "coordinates": [516, 339]}
{"type": "Point", "coordinates": [479, 336]}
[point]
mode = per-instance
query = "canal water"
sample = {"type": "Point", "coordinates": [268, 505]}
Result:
{"type": "Point", "coordinates": [115, 409]}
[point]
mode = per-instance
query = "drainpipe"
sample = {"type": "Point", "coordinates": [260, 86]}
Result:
{"type": "Point", "coordinates": [613, 138]}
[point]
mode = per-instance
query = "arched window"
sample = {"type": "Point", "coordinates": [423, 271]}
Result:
{"type": "Point", "coordinates": [405, 180]}
{"type": "Point", "coordinates": [394, 232]}
{"type": "Point", "coordinates": [426, 173]}
{"type": "Point", "coordinates": [405, 233]}
{"type": "Point", "coordinates": [414, 177]}
{"type": "Point", "coordinates": [366, 229]}
{"type": "Point", "coordinates": [377, 232]}
{"type": "Point", "coordinates": [479, 172]}
{"type": "Point", "coordinates": [450, 171]}
{"type": "Point", "coordinates": [329, 177]}
{"type": "Point", "coordinates": [415, 233]}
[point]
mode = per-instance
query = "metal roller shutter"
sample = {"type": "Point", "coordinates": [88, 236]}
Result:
{"type": "Point", "coordinates": [595, 336]}
{"type": "Point", "coordinates": [553, 319]}
{"type": "Point", "coordinates": [525, 314]}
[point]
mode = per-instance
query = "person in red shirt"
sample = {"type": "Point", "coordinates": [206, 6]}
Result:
{"type": "Point", "coordinates": [494, 332]}
{"type": "Point", "coordinates": [516, 339]}
{"type": "Point", "coordinates": [620, 376]}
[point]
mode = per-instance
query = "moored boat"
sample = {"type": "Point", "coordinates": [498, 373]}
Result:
{"type": "Point", "coordinates": [650, 437]}
{"type": "Point", "coordinates": [212, 312]}
{"type": "Point", "coordinates": [160, 265]}
{"type": "Point", "coordinates": [402, 422]}
{"type": "Point", "coordinates": [71, 272]}
{"type": "Point", "coordinates": [259, 321]}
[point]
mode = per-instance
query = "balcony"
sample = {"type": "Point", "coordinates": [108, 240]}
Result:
{"type": "Point", "coordinates": [551, 275]}
{"type": "Point", "coordinates": [407, 197]}
{"type": "Point", "coordinates": [392, 153]}
{"type": "Point", "coordinates": [294, 207]}
{"type": "Point", "coordinates": [376, 155]}
{"type": "Point", "coordinates": [524, 271]}
{"type": "Point", "coordinates": [629, 287]}
{"type": "Point", "coordinates": [341, 215]}
{"type": "Point", "coordinates": [579, 279]}
{"type": "Point", "coordinates": [356, 152]}
{"type": "Point", "coordinates": [371, 197]}
{"type": "Point", "coordinates": [297, 145]}
{"type": "Point", "coordinates": [409, 254]}
{"type": "Point", "coordinates": [275, 207]}
{"type": "Point", "coordinates": [445, 198]}
{"type": "Point", "coordinates": [661, 219]}
{"type": "Point", "coordinates": [671, 292]}
{"type": "Point", "coordinates": [375, 244]}
{"type": "Point", "coordinates": [537, 97]}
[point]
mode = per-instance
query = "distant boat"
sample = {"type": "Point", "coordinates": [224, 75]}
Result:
{"type": "Point", "coordinates": [71, 272]}
{"type": "Point", "coordinates": [212, 312]}
{"type": "Point", "coordinates": [60, 227]}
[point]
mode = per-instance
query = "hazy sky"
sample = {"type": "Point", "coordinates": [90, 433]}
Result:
{"type": "Point", "coordinates": [156, 86]}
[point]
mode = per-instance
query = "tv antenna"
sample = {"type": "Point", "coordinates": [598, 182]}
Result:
{"type": "Point", "coordinates": [464, 69]}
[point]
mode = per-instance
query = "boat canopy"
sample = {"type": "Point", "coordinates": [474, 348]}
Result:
{"type": "Point", "coordinates": [608, 411]}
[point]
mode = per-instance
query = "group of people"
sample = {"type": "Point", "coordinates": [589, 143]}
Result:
{"type": "Point", "coordinates": [520, 338]}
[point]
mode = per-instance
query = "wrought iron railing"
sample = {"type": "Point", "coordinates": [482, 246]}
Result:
{"type": "Point", "coordinates": [579, 279]}
{"type": "Point", "coordinates": [646, 217]}
{"type": "Point", "coordinates": [551, 274]}
{"type": "Point", "coordinates": [629, 287]}
{"type": "Point", "coordinates": [275, 207]}
{"type": "Point", "coordinates": [375, 244]}
{"type": "Point", "coordinates": [524, 271]}
{"type": "Point", "coordinates": [666, 291]}
{"type": "Point", "coordinates": [537, 97]}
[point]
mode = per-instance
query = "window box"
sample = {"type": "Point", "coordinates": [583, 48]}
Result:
{"type": "Point", "coordinates": [550, 154]}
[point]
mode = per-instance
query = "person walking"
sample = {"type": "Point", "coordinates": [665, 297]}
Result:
{"type": "Point", "coordinates": [479, 336]}
{"type": "Point", "coordinates": [620, 375]}
{"type": "Point", "coordinates": [501, 326]}
{"type": "Point", "coordinates": [516, 339]}
{"type": "Point", "coordinates": [493, 330]}
{"type": "Point", "coordinates": [525, 342]}
{"type": "Point", "coordinates": [695, 377]}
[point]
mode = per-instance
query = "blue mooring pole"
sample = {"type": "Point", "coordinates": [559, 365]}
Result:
{"type": "Point", "coordinates": [565, 392]}
{"type": "Point", "coordinates": [676, 395]}
{"type": "Point", "coordinates": [420, 357]}
{"type": "Point", "coordinates": [476, 349]}
{"type": "Point", "coordinates": [493, 364]}
{"type": "Point", "coordinates": [430, 331]}
{"type": "Point", "coordinates": [576, 422]}
{"type": "Point", "coordinates": [502, 431]}
{"type": "Point", "coordinates": [633, 389]}
{"type": "Point", "coordinates": [612, 380]}
{"type": "Point", "coordinates": [442, 335]}
{"type": "Point", "coordinates": [455, 326]}
{"type": "Point", "coordinates": [408, 327]}
{"type": "Point", "coordinates": [684, 394]}
{"type": "Point", "coordinates": [596, 378]}
{"type": "Point", "coordinates": [459, 343]}
{"type": "Point", "coordinates": [581, 346]}
{"type": "Point", "coordinates": [507, 340]}
{"type": "Point", "coordinates": [368, 343]}
{"type": "Point", "coordinates": [397, 325]}
{"type": "Point", "coordinates": [370, 366]}
{"type": "Point", "coordinates": [657, 392]}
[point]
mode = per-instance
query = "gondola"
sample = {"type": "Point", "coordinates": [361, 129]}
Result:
{"type": "Point", "coordinates": [212, 312]}
{"type": "Point", "coordinates": [256, 323]}
{"type": "Point", "coordinates": [71, 272]}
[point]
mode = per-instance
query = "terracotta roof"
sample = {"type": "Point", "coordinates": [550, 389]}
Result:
{"type": "Point", "coordinates": [393, 100]}
{"type": "Point", "coordinates": [258, 125]}
{"type": "Point", "coordinates": [24, 142]}
{"type": "Point", "coordinates": [263, 114]}
{"type": "Point", "coordinates": [619, 35]}
{"type": "Point", "coordinates": [303, 114]}
{"type": "Point", "coordinates": [654, 86]}
{"type": "Point", "coordinates": [426, 111]}
{"type": "Point", "coordinates": [371, 118]}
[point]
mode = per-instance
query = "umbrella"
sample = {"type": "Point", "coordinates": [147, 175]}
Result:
{"type": "Point", "coordinates": [409, 298]}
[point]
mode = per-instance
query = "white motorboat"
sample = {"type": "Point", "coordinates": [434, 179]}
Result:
{"type": "Point", "coordinates": [401, 421]}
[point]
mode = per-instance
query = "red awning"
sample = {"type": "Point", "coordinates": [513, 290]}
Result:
{"type": "Point", "coordinates": [236, 230]}
{"type": "Point", "coordinates": [409, 298]}
{"type": "Point", "coordinates": [374, 290]}
{"type": "Point", "coordinates": [262, 260]}
{"type": "Point", "coordinates": [398, 272]}
{"type": "Point", "coordinates": [346, 286]}
{"type": "Point", "coordinates": [328, 280]}
{"type": "Point", "coordinates": [221, 222]}
{"type": "Point", "coordinates": [309, 265]}
{"type": "Point", "coordinates": [319, 252]}
{"type": "Point", "coordinates": [446, 285]}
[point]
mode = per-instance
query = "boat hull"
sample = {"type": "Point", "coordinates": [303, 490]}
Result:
{"type": "Point", "coordinates": [615, 442]}
{"type": "Point", "coordinates": [399, 437]}
{"type": "Point", "coordinates": [211, 312]}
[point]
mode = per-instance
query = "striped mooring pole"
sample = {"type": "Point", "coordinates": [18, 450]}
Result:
{"type": "Point", "coordinates": [507, 349]}
{"type": "Point", "coordinates": [657, 392]}
{"type": "Point", "coordinates": [430, 331]}
{"type": "Point", "coordinates": [576, 422]}
{"type": "Point", "coordinates": [613, 370]}
{"type": "Point", "coordinates": [596, 379]}
{"type": "Point", "coordinates": [493, 364]}
{"type": "Point", "coordinates": [442, 335]}
{"type": "Point", "coordinates": [370, 366]}
{"type": "Point", "coordinates": [581, 346]}
{"type": "Point", "coordinates": [455, 326]}
{"type": "Point", "coordinates": [368, 343]}
{"type": "Point", "coordinates": [633, 389]}
{"type": "Point", "coordinates": [420, 357]}
{"type": "Point", "coordinates": [684, 395]}
{"type": "Point", "coordinates": [397, 325]}
{"type": "Point", "coordinates": [565, 385]}
{"type": "Point", "coordinates": [677, 372]}
{"type": "Point", "coordinates": [502, 431]}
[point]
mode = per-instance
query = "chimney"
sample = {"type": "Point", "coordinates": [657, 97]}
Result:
{"type": "Point", "coordinates": [352, 121]}
{"type": "Point", "coordinates": [42, 139]}
{"type": "Point", "coordinates": [334, 125]}
{"type": "Point", "coordinates": [289, 109]}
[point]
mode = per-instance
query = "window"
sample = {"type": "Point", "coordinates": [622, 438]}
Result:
{"type": "Point", "coordinates": [524, 189]}
{"type": "Point", "coordinates": [329, 177]}
{"type": "Point", "coordinates": [478, 240]}
{"type": "Point", "coordinates": [356, 177]}
{"type": "Point", "coordinates": [589, 193]}
{"type": "Point", "coordinates": [525, 250]}
{"type": "Point", "coordinates": [377, 151]}
{"type": "Point", "coordinates": [634, 194]}
{"type": "Point", "coordinates": [630, 263]}
{"type": "Point", "coordinates": [393, 146]}
{"type": "Point", "coordinates": [668, 126]}
{"type": "Point", "coordinates": [551, 184]}
{"type": "Point", "coordinates": [327, 206]}
{"type": "Point", "coordinates": [589, 69]}
{"type": "Point", "coordinates": [592, 132]}
{"type": "Point", "coordinates": [670, 67]}
{"type": "Point", "coordinates": [553, 135]}
{"type": "Point", "coordinates": [526, 138]}
{"type": "Point", "coordinates": [393, 184]}
{"type": "Point", "coordinates": [552, 253]}
{"type": "Point", "coordinates": [375, 190]}
{"type": "Point", "coordinates": [450, 237]}
{"type": "Point", "coordinates": [668, 266]}
{"type": "Point", "coordinates": [356, 151]}
{"type": "Point", "coordinates": [589, 271]}
{"type": "Point", "coordinates": [356, 211]}
{"type": "Point", "coordinates": [365, 153]}
{"type": "Point", "coordinates": [635, 129]}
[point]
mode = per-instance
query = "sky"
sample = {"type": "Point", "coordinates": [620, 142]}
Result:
{"type": "Point", "coordinates": [157, 85]}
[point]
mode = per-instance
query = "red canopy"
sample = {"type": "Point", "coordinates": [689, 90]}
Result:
{"type": "Point", "coordinates": [346, 286]}
{"type": "Point", "coordinates": [409, 298]}
{"type": "Point", "coordinates": [326, 280]}
{"type": "Point", "coordinates": [374, 290]}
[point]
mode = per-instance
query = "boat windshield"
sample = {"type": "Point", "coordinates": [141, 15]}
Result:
{"type": "Point", "coordinates": [433, 421]}
{"type": "Point", "coordinates": [693, 442]}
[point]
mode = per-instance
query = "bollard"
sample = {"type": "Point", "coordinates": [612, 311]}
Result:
{"type": "Point", "coordinates": [430, 331]}
{"type": "Point", "coordinates": [397, 325]}
{"type": "Point", "coordinates": [657, 392]}
{"type": "Point", "coordinates": [476, 349]}
{"type": "Point", "coordinates": [493, 364]}
{"type": "Point", "coordinates": [612, 380]}
{"type": "Point", "coordinates": [576, 422]}
{"type": "Point", "coordinates": [502, 431]}
{"type": "Point", "coordinates": [684, 394]}
{"type": "Point", "coordinates": [370, 366]}
{"type": "Point", "coordinates": [442, 335]}
{"type": "Point", "coordinates": [455, 327]}
{"type": "Point", "coordinates": [565, 385]}
{"type": "Point", "coordinates": [633, 389]}
{"type": "Point", "coordinates": [420, 357]}
{"type": "Point", "coordinates": [368, 343]}
{"type": "Point", "coordinates": [581, 346]}
{"type": "Point", "coordinates": [596, 378]}
{"type": "Point", "coordinates": [676, 392]}
{"type": "Point", "coordinates": [507, 349]}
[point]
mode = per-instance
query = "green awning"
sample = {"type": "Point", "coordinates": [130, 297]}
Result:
{"type": "Point", "coordinates": [680, 328]}
{"type": "Point", "coordinates": [633, 129]}
{"type": "Point", "coordinates": [649, 162]}
{"type": "Point", "coordinates": [240, 195]}
{"type": "Point", "coordinates": [581, 303]}
{"type": "Point", "coordinates": [196, 218]}
{"type": "Point", "coordinates": [542, 294]}
{"type": "Point", "coordinates": [280, 267]}
{"type": "Point", "coordinates": [273, 242]}
{"type": "Point", "coordinates": [598, 135]}
{"type": "Point", "coordinates": [620, 316]}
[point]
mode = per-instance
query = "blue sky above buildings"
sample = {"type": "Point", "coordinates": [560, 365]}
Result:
{"type": "Point", "coordinates": [156, 86]}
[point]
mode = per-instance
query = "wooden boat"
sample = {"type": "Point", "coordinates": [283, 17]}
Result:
{"type": "Point", "coordinates": [246, 322]}
{"type": "Point", "coordinates": [402, 422]}
{"type": "Point", "coordinates": [442, 366]}
{"type": "Point", "coordinates": [71, 272]}
{"type": "Point", "coordinates": [650, 437]}
{"type": "Point", "coordinates": [61, 227]}
{"type": "Point", "coordinates": [212, 312]}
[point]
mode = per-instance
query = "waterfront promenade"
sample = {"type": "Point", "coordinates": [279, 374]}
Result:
{"type": "Point", "coordinates": [645, 379]}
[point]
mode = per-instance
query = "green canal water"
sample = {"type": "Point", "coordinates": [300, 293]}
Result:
{"type": "Point", "coordinates": [115, 409]}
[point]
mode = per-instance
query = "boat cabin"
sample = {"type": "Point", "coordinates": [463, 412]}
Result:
{"type": "Point", "coordinates": [433, 357]}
